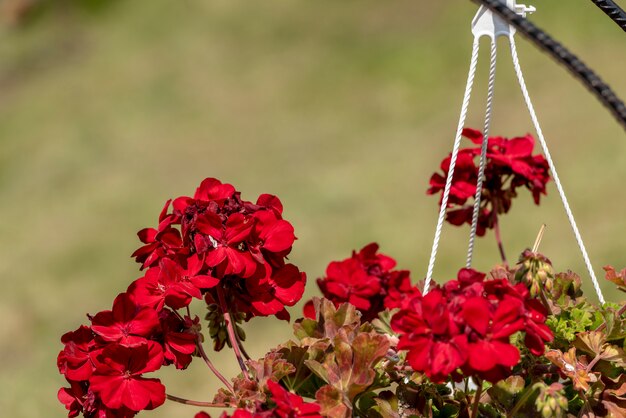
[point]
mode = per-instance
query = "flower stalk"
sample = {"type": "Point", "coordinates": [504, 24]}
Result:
{"type": "Point", "coordinates": [196, 403]}
{"type": "Point", "coordinates": [216, 372]}
{"type": "Point", "coordinates": [230, 327]}
{"type": "Point", "coordinates": [477, 395]}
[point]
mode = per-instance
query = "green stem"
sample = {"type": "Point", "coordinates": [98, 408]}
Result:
{"type": "Point", "coordinates": [527, 394]}
{"type": "Point", "coordinates": [545, 302]}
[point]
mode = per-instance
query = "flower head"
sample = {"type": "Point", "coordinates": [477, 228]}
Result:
{"type": "Point", "coordinates": [465, 326]}
{"type": "Point", "coordinates": [366, 280]}
{"type": "Point", "coordinates": [217, 239]}
{"type": "Point", "coordinates": [510, 165]}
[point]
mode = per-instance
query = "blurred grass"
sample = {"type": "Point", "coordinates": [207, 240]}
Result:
{"type": "Point", "coordinates": [343, 109]}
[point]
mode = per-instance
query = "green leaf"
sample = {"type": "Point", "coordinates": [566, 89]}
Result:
{"type": "Point", "coordinates": [507, 391]}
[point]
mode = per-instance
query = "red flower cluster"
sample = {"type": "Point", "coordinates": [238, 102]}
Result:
{"type": "Point", "coordinates": [465, 325]}
{"type": "Point", "coordinates": [218, 243]}
{"type": "Point", "coordinates": [105, 363]}
{"type": "Point", "coordinates": [213, 246]}
{"type": "Point", "coordinates": [510, 165]}
{"type": "Point", "coordinates": [367, 281]}
{"type": "Point", "coordinates": [288, 405]}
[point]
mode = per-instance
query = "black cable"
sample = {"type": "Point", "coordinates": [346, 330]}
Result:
{"type": "Point", "coordinates": [612, 10]}
{"type": "Point", "coordinates": [562, 55]}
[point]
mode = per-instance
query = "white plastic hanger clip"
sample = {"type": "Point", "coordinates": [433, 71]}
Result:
{"type": "Point", "coordinates": [486, 23]}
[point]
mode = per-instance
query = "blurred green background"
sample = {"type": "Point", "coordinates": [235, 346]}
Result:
{"type": "Point", "coordinates": [341, 108]}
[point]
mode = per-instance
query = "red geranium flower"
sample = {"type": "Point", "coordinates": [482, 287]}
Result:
{"type": "Point", "coordinates": [73, 398]}
{"type": "Point", "coordinates": [367, 281]}
{"type": "Point", "coordinates": [269, 295]}
{"type": "Point", "coordinates": [431, 335]}
{"type": "Point", "coordinates": [180, 338]}
{"type": "Point", "coordinates": [74, 361]}
{"type": "Point", "coordinates": [290, 405]}
{"type": "Point", "coordinates": [162, 242]}
{"type": "Point", "coordinates": [79, 398]}
{"type": "Point", "coordinates": [127, 323]}
{"type": "Point", "coordinates": [465, 326]}
{"type": "Point", "coordinates": [220, 240]}
{"type": "Point", "coordinates": [118, 379]}
{"type": "Point", "coordinates": [170, 284]}
{"type": "Point", "coordinates": [223, 243]}
{"type": "Point", "coordinates": [510, 165]}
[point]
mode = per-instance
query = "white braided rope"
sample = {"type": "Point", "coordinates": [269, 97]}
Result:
{"type": "Point", "coordinates": [453, 158]}
{"type": "Point", "coordinates": [542, 141]}
{"type": "Point", "coordinates": [483, 152]}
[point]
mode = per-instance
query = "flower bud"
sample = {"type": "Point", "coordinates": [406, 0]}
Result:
{"type": "Point", "coordinates": [535, 271]}
{"type": "Point", "coordinates": [551, 402]}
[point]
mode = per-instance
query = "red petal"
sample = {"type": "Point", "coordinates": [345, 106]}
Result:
{"type": "Point", "coordinates": [180, 203]}
{"type": "Point", "coordinates": [210, 223]}
{"type": "Point", "coordinates": [213, 189]}
{"type": "Point", "coordinates": [238, 227]}
{"type": "Point", "coordinates": [476, 312]}
{"type": "Point", "coordinates": [270, 201]}
{"type": "Point", "coordinates": [482, 356]}
{"type": "Point", "coordinates": [110, 389]}
{"type": "Point", "coordinates": [147, 235]}
{"type": "Point", "coordinates": [163, 213]}
{"type": "Point", "coordinates": [182, 342]}
{"type": "Point", "coordinates": [534, 343]}
{"type": "Point", "coordinates": [154, 360]}
{"type": "Point", "coordinates": [289, 284]}
{"type": "Point", "coordinates": [124, 308]}
{"type": "Point", "coordinates": [204, 282]}
{"type": "Point", "coordinates": [418, 356]}
{"type": "Point", "coordinates": [216, 256]}
{"type": "Point", "coordinates": [309, 310]}
{"type": "Point", "coordinates": [278, 236]}
{"type": "Point", "coordinates": [468, 276]}
{"type": "Point", "coordinates": [446, 358]}
{"type": "Point", "coordinates": [473, 135]}
{"type": "Point", "coordinates": [145, 322]}
{"type": "Point", "coordinates": [507, 354]}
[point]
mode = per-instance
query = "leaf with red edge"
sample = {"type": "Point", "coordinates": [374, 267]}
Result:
{"type": "Point", "coordinates": [594, 342]}
{"type": "Point", "coordinates": [368, 350]}
{"type": "Point", "coordinates": [571, 366]}
{"type": "Point", "coordinates": [332, 402]}
{"type": "Point", "coordinates": [618, 278]}
{"type": "Point", "coordinates": [271, 367]}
